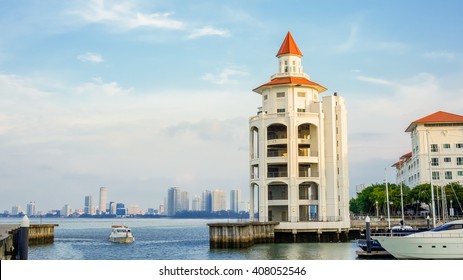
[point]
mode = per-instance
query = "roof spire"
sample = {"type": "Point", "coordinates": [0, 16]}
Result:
{"type": "Point", "coordinates": [289, 46]}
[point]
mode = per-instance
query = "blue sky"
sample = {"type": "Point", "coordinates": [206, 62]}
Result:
{"type": "Point", "coordinates": [140, 96]}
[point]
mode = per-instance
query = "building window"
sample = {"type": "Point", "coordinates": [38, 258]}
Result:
{"type": "Point", "coordinates": [459, 160]}
{"type": "Point", "coordinates": [265, 96]}
{"type": "Point", "coordinates": [448, 175]}
{"type": "Point", "coordinates": [434, 161]}
{"type": "Point", "coordinates": [434, 148]}
{"type": "Point", "coordinates": [459, 145]}
{"type": "Point", "coordinates": [301, 94]}
{"type": "Point", "coordinates": [280, 110]}
{"type": "Point", "coordinates": [447, 159]}
{"type": "Point", "coordinates": [446, 146]}
{"type": "Point", "coordinates": [300, 110]}
{"type": "Point", "coordinates": [280, 94]}
{"type": "Point", "coordinates": [435, 175]}
{"type": "Point", "coordinates": [460, 173]}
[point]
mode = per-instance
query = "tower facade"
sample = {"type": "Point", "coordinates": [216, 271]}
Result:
{"type": "Point", "coordinates": [103, 200]}
{"type": "Point", "coordinates": [235, 200]}
{"type": "Point", "coordinates": [298, 150]}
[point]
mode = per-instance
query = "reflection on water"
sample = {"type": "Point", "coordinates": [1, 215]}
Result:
{"type": "Point", "coordinates": [167, 239]}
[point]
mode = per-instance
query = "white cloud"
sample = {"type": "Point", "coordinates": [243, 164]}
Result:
{"type": "Point", "coordinates": [124, 16]}
{"type": "Point", "coordinates": [374, 80]}
{"type": "Point", "coordinates": [351, 41]}
{"type": "Point", "coordinates": [439, 55]}
{"type": "Point", "coordinates": [98, 87]}
{"type": "Point", "coordinates": [208, 31]}
{"type": "Point", "coordinates": [12, 85]}
{"type": "Point", "coordinates": [90, 57]}
{"type": "Point", "coordinates": [225, 77]}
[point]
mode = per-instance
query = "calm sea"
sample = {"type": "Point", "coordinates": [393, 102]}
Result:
{"type": "Point", "coordinates": [166, 239]}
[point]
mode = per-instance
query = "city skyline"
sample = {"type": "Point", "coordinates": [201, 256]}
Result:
{"type": "Point", "coordinates": [145, 95]}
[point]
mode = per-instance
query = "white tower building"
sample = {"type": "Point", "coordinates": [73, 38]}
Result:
{"type": "Point", "coordinates": [103, 200]}
{"type": "Point", "coordinates": [298, 146]}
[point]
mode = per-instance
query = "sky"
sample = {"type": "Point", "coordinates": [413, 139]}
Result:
{"type": "Point", "coordinates": [140, 96]}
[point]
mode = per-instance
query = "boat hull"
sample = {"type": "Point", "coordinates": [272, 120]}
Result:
{"type": "Point", "coordinates": [423, 247]}
{"type": "Point", "coordinates": [122, 239]}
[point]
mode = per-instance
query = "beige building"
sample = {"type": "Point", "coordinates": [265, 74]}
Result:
{"type": "Point", "coordinates": [437, 151]}
{"type": "Point", "coordinates": [298, 146]}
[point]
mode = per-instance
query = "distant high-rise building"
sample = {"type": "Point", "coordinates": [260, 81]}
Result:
{"type": "Point", "coordinates": [66, 211]}
{"type": "Point", "coordinates": [103, 200]}
{"type": "Point", "coordinates": [196, 203]}
{"type": "Point", "coordinates": [235, 199]}
{"type": "Point", "coordinates": [31, 209]}
{"type": "Point", "coordinates": [112, 208]}
{"type": "Point", "coordinates": [161, 209]}
{"type": "Point", "coordinates": [15, 210]}
{"type": "Point", "coordinates": [206, 201]}
{"type": "Point", "coordinates": [184, 201]}
{"type": "Point", "coordinates": [219, 201]}
{"type": "Point", "coordinates": [173, 201]}
{"type": "Point", "coordinates": [88, 206]}
{"type": "Point", "coordinates": [120, 209]}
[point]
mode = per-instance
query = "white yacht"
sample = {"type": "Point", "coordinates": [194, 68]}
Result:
{"type": "Point", "coordinates": [443, 242]}
{"type": "Point", "coordinates": [121, 234]}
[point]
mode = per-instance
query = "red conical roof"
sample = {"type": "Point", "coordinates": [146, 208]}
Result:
{"type": "Point", "coordinates": [289, 46]}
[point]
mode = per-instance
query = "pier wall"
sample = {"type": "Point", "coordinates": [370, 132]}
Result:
{"type": "Point", "coordinates": [240, 235]}
{"type": "Point", "coordinates": [8, 241]}
{"type": "Point", "coordinates": [41, 234]}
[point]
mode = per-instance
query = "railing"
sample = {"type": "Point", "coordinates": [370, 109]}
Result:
{"type": "Point", "coordinates": [308, 197]}
{"type": "Point", "coordinates": [307, 174]}
{"type": "Point", "coordinates": [277, 153]}
{"type": "Point", "coordinates": [273, 136]}
{"type": "Point", "coordinates": [275, 174]}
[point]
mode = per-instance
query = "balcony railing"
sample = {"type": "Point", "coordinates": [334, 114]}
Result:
{"type": "Point", "coordinates": [276, 174]}
{"type": "Point", "coordinates": [272, 136]}
{"type": "Point", "coordinates": [306, 174]}
{"type": "Point", "coordinates": [277, 153]}
{"type": "Point", "coordinates": [308, 197]}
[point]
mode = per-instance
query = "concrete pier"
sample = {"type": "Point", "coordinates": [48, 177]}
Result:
{"type": "Point", "coordinates": [240, 235]}
{"type": "Point", "coordinates": [9, 237]}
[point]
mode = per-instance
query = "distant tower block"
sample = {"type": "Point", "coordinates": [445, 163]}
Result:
{"type": "Point", "coordinates": [103, 200]}
{"type": "Point", "coordinates": [298, 150]}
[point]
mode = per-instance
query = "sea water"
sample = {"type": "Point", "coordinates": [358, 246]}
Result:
{"type": "Point", "coordinates": [166, 239]}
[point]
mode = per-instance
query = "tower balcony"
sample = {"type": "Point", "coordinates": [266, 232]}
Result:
{"type": "Point", "coordinates": [309, 174]}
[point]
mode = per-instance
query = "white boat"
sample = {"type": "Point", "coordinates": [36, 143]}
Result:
{"type": "Point", "coordinates": [443, 242]}
{"type": "Point", "coordinates": [121, 234]}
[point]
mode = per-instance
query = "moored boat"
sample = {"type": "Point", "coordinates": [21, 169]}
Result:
{"type": "Point", "coordinates": [121, 234]}
{"type": "Point", "coordinates": [444, 242]}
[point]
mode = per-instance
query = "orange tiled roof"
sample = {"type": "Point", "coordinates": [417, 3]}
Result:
{"type": "Point", "coordinates": [292, 80]}
{"type": "Point", "coordinates": [403, 159]}
{"type": "Point", "coordinates": [437, 117]}
{"type": "Point", "coordinates": [289, 46]}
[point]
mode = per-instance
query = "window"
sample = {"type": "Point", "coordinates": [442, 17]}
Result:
{"type": "Point", "coordinates": [447, 159]}
{"type": "Point", "coordinates": [446, 146]}
{"type": "Point", "coordinates": [280, 94]}
{"type": "Point", "coordinates": [280, 110]}
{"type": "Point", "coordinates": [300, 110]}
{"type": "Point", "coordinates": [459, 160]}
{"type": "Point", "coordinates": [435, 175]}
{"type": "Point", "coordinates": [434, 161]}
{"type": "Point", "coordinates": [459, 145]}
{"type": "Point", "coordinates": [265, 96]}
{"type": "Point", "coordinates": [460, 173]}
{"type": "Point", "coordinates": [301, 94]}
{"type": "Point", "coordinates": [448, 175]}
{"type": "Point", "coordinates": [434, 148]}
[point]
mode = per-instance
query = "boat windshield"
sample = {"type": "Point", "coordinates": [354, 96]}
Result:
{"type": "Point", "coordinates": [448, 227]}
